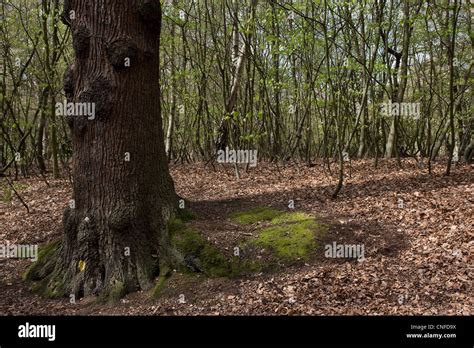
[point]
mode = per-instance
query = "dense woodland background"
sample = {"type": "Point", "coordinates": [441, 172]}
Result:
{"type": "Point", "coordinates": [294, 79]}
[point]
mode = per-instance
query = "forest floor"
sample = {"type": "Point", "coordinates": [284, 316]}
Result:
{"type": "Point", "coordinates": [418, 256]}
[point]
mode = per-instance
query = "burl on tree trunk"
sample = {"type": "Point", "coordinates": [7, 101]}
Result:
{"type": "Point", "coordinates": [115, 233]}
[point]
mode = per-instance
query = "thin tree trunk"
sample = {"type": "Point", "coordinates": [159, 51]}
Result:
{"type": "Point", "coordinates": [170, 128]}
{"type": "Point", "coordinates": [452, 45]}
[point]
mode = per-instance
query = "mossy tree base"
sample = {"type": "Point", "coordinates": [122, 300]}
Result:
{"type": "Point", "coordinates": [103, 258]}
{"type": "Point", "coordinates": [290, 236]}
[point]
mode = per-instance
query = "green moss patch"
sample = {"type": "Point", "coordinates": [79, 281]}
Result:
{"type": "Point", "coordinates": [284, 237]}
{"type": "Point", "coordinates": [45, 263]}
{"type": "Point", "coordinates": [202, 255]}
{"type": "Point", "coordinates": [285, 218]}
{"type": "Point", "coordinates": [289, 242]}
{"type": "Point", "coordinates": [291, 236]}
{"type": "Point", "coordinates": [255, 215]}
{"type": "Point", "coordinates": [160, 285]}
{"type": "Point", "coordinates": [114, 293]}
{"type": "Point", "coordinates": [198, 252]}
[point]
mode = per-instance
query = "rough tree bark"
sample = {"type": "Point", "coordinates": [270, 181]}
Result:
{"type": "Point", "coordinates": [115, 235]}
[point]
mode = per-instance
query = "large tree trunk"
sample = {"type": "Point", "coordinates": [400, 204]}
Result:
{"type": "Point", "coordinates": [115, 235]}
